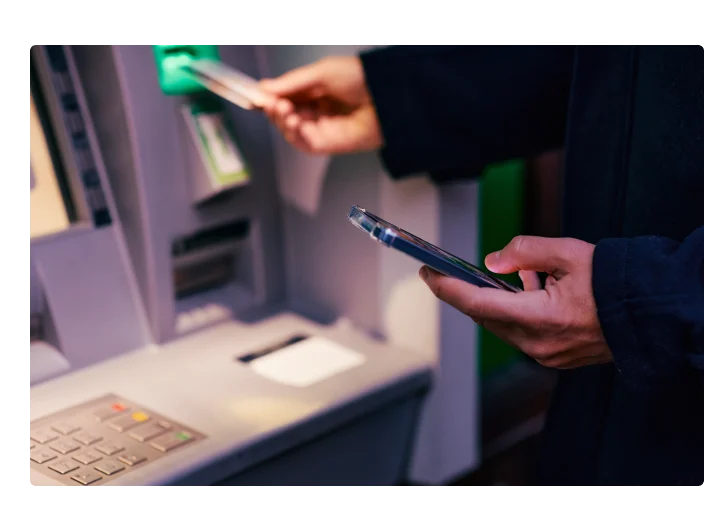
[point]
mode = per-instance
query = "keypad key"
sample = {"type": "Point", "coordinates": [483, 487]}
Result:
{"type": "Point", "coordinates": [109, 467]}
{"type": "Point", "coordinates": [87, 438]}
{"type": "Point", "coordinates": [86, 477]}
{"type": "Point", "coordinates": [41, 456]}
{"type": "Point", "coordinates": [109, 411]}
{"type": "Point", "coordinates": [65, 446]}
{"type": "Point", "coordinates": [64, 467]}
{"type": "Point", "coordinates": [171, 441]}
{"type": "Point", "coordinates": [123, 423]}
{"type": "Point", "coordinates": [87, 457]}
{"type": "Point", "coordinates": [65, 428]}
{"type": "Point", "coordinates": [146, 432]}
{"type": "Point", "coordinates": [132, 459]}
{"type": "Point", "coordinates": [110, 449]}
{"type": "Point", "coordinates": [43, 436]}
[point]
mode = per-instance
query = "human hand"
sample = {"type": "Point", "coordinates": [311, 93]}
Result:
{"type": "Point", "coordinates": [325, 107]}
{"type": "Point", "coordinates": [557, 326]}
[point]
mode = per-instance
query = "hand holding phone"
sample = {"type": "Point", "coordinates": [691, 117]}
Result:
{"type": "Point", "coordinates": [430, 255]}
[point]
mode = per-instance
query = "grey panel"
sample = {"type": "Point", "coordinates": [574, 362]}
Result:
{"type": "Point", "coordinates": [88, 291]}
{"type": "Point", "coordinates": [331, 270]}
{"type": "Point", "coordinates": [370, 452]}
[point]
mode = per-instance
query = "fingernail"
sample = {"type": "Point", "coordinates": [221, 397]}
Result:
{"type": "Point", "coordinates": [423, 273]}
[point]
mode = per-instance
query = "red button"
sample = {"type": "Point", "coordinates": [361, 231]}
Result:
{"type": "Point", "coordinates": [118, 407]}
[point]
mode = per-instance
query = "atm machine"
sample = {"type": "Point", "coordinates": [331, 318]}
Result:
{"type": "Point", "coordinates": [205, 318]}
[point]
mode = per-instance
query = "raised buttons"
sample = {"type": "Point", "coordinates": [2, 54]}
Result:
{"type": "Point", "coordinates": [65, 446]}
{"type": "Point", "coordinates": [43, 436]}
{"type": "Point", "coordinates": [41, 456]}
{"type": "Point", "coordinates": [109, 467]}
{"type": "Point", "coordinates": [86, 477]}
{"type": "Point", "coordinates": [64, 467]}
{"type": "Point", "coordinates": [171, 441]}
{"type": "Point", "coordinates": [123, 423]}
{"type": "Point", "coordinates": [146, 432]}
{"type": "Point", "coordinates": [109, 411]}
{"type": "Point", "coordinates": [65, 428]}
{"type": "Point", "coordinates": [87, 457]}
{"type": "Point", "coordinates": [87, 438]}
{"type": "Point", "coordinates": [110, 449]}
{"type": "Point", "coordinates": [104, 439]}
{"type": "Point", "coordinates": [132, 459]}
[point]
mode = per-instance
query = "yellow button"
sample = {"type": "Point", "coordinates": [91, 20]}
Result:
{"type": "Point", "coordinates": [140, 417]}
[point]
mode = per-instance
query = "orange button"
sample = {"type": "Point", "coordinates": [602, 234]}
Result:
{"type": "Point", "coordinates": [118, 407]}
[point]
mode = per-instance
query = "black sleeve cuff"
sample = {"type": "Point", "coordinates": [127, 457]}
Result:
{"type": "Point", "coordinates": [395, 110]}
{"type": "Point", "coordinates": [647, 357]}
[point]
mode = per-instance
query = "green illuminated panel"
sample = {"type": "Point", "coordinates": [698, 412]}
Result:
{"type": "Point", "coordinates": [501, 218]}
{"type": "Point", "coordinates": [170, 60]}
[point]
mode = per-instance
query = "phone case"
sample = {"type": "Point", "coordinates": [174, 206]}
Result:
{"type": "Point", "coordinates": [430, 255]}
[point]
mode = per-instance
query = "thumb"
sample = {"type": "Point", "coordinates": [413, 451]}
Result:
{"type": "Point", "coordinates": [299, 80]}
{"type": "Point", "coordinates": [531, 253]}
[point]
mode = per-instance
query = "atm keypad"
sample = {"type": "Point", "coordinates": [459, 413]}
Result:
{"type": "Point", "coordinates": [109, 449]}
{"type": "Point", "coordinates": [132, 459]}
{"type": "Point", "coordinates": [109, 410]}
{"type": "Point", "coordinates": [87, 457]}
{"type": "Point", "coordinates": [109, 467]}
{"type": "Point", "coordinates": [42, 456]}
{"type": "Point", "coordinates": [87, 438]}
{"type": "Point", "coordinates": [43, 436]}
{"type": "Point", "coordinates": [64, 467]}
{"type": "Point", "coordinates": [146, 432]}
{"type": "Point", "coordinates": [95, 442]}
{"type": "Point", "coordinates": [65, 428]}
{"type": "Point", "coordinates": [171, 441]}
{"type": "Point", "coordinates": [86, 477]}
{"type": "Point", "coordinates": [128, 421]}
{"type": "Point", "coordinates": [65, 446]}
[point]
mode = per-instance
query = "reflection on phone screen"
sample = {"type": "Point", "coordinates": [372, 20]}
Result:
{"type": "Point", "coordinates": [439, 252]}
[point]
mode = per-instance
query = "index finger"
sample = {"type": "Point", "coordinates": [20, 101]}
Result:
{"type": "Point", "coordinates": [297, 80]}
{"type": "Point", "coordinates": [486, 303]}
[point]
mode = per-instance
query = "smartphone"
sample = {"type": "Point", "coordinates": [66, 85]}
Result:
{"type": "Point", "coordinates": [430, 255]}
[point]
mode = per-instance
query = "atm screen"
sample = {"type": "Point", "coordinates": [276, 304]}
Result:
{"type": "Point", "coordinates": [50, 205]}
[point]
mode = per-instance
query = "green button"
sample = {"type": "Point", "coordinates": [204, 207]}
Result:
{"type": "Point", "coordinates": [183, 436]}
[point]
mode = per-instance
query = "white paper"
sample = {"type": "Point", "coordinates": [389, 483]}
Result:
{"type": "Point", "coordinates": [307, 362]}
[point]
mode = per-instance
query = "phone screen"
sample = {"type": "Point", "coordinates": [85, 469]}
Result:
{"type": "Point", "coordinates": [427, 245]}
{"type": "Point", "coordinates": [369, 222]}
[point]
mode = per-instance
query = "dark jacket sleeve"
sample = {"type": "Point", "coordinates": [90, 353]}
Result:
{"type": "Point", "coordinates": [650, 299]}
{"type": "Point", "coordinates": [450, 109]}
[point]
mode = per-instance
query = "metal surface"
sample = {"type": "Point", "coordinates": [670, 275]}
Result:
{"type": "Point", "coordinates": [83, 446]}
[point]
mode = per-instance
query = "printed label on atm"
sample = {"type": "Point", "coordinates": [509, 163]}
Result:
{"type": "Point", "coordinates": [218, 149]}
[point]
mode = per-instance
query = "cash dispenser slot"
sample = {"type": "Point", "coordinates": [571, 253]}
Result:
{"type": "Point", "coordinates": [207, 259]}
